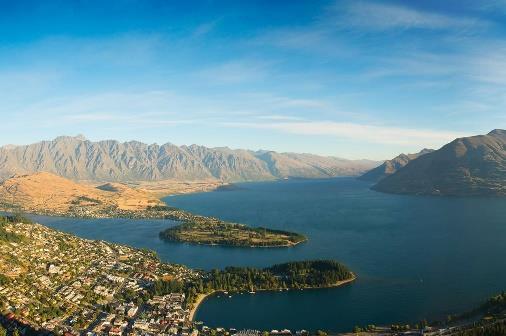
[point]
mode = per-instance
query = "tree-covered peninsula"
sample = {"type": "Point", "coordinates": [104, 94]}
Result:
{"type": "Point", "coordinates": [291, 275]}
{"type": "Point", "coordinates": [287, 276]}
{"type": "Point", "coordinates": [216, 232]}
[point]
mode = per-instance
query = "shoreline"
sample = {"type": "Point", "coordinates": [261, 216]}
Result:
{"type": "Point", "coordinates": [292, 244]}
{"type": "Point", "coordinates": [172, 214]}
{"type": "Point", "coordinates": [201, 297]}
{"type": "Point", "coordinates": [154, 217]}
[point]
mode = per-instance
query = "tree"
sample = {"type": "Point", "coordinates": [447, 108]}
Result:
{"type": "Point", "coordinates": [3, 332]}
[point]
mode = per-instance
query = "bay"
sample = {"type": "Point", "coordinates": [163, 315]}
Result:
{"type": "Point", "coordinates": [416, 257]}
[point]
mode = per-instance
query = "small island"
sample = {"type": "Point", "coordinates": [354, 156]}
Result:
{"type": "Point", "coordinates": [215, 232]}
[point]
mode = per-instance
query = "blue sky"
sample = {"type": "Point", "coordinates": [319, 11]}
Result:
{"type": "Point", "coordinates": [355, 79]}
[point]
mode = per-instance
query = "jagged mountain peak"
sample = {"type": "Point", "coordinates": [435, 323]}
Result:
{"type": "Point", "coordinates": [78, 137]}
{"type": "Point", "coordinates": [113, 161]}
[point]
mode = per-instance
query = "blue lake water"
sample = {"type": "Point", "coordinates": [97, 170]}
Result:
{"type": "Point", "coordinates": [415, 257]}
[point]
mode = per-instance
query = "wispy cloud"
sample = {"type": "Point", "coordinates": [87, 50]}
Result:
{"type": "Point", "coordinates": [279, 117]}
{"type": "Point", "coordinates": [468, 66]}
{"type": "Point", "coordinates": [21, 85]}
{"type": "Point", "coordinates": [315, 38]}
{"type": "Point", "coordinates": [358, 132]}
{"type": "Point", "coordinates": [105, 105]}
{"type": "Point", "coordinates": [234, 72]}
{"type": "Point", "coordinates": [204, 28]}
{"type": "Point", "coordinates": [491, 67]}
{"type": "Point", "coordinates": [325, 34]}
{"type": "Point", "coordinates": [490, 6]}
{"type": "Point", "coordinates": [376, 16]}
{"type": "Point", "coordinates": [149, 109]}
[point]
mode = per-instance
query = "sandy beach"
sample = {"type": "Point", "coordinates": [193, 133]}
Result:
{"type": "Point", "coordinates": [197, 303]}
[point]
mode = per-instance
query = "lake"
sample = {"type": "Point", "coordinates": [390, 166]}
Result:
{"type": "Point", "coordinates": [416, 257]}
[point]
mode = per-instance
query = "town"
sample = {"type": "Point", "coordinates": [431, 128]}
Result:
{"type": "Point", "coordinates": [54, 283]}
{"type": "Point", "coordinates": [61, 284]}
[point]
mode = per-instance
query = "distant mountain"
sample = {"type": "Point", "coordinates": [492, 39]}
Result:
{"type": "Point", "coordinates": [80, 159]}
{"type": "Point", "coordinates": [466, 166]}
{"type": "Point", "coordinates": [391, 166]}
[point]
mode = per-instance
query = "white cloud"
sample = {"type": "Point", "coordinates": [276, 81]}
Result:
{"type": "Point", "coordinates": [358, 132]}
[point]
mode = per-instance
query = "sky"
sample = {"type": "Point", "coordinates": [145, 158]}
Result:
{"type": "Point", "coordinates": [354, 79]}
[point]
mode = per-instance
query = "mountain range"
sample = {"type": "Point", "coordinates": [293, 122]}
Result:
{"type": "Point", "coordinates": [390, 167]}
{"type": "Point", "coordinates": [80, 159]}
{"type": "Point", "coordinates": [467, 166]}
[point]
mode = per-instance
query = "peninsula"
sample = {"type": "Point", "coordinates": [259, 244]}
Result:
{"type": "Point", "coordinates": [308, 274]}
{"type": "Point", "coordinates": [230, 234]}
{"type": "Point", "coordinates": [30, 193]}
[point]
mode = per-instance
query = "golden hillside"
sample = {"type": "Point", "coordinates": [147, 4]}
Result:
{"type": "Point", "coordinates": [49, 192]}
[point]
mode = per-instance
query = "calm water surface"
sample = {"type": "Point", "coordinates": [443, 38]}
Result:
{"type": "Point", "coordinates": [415, 257]}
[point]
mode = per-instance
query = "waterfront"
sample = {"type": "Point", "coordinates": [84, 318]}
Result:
{"type": "Point", "coordinates": [415, 257]}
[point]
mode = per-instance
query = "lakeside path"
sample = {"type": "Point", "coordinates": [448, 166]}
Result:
{"type": "Point", "coordinates": [201, 297]}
